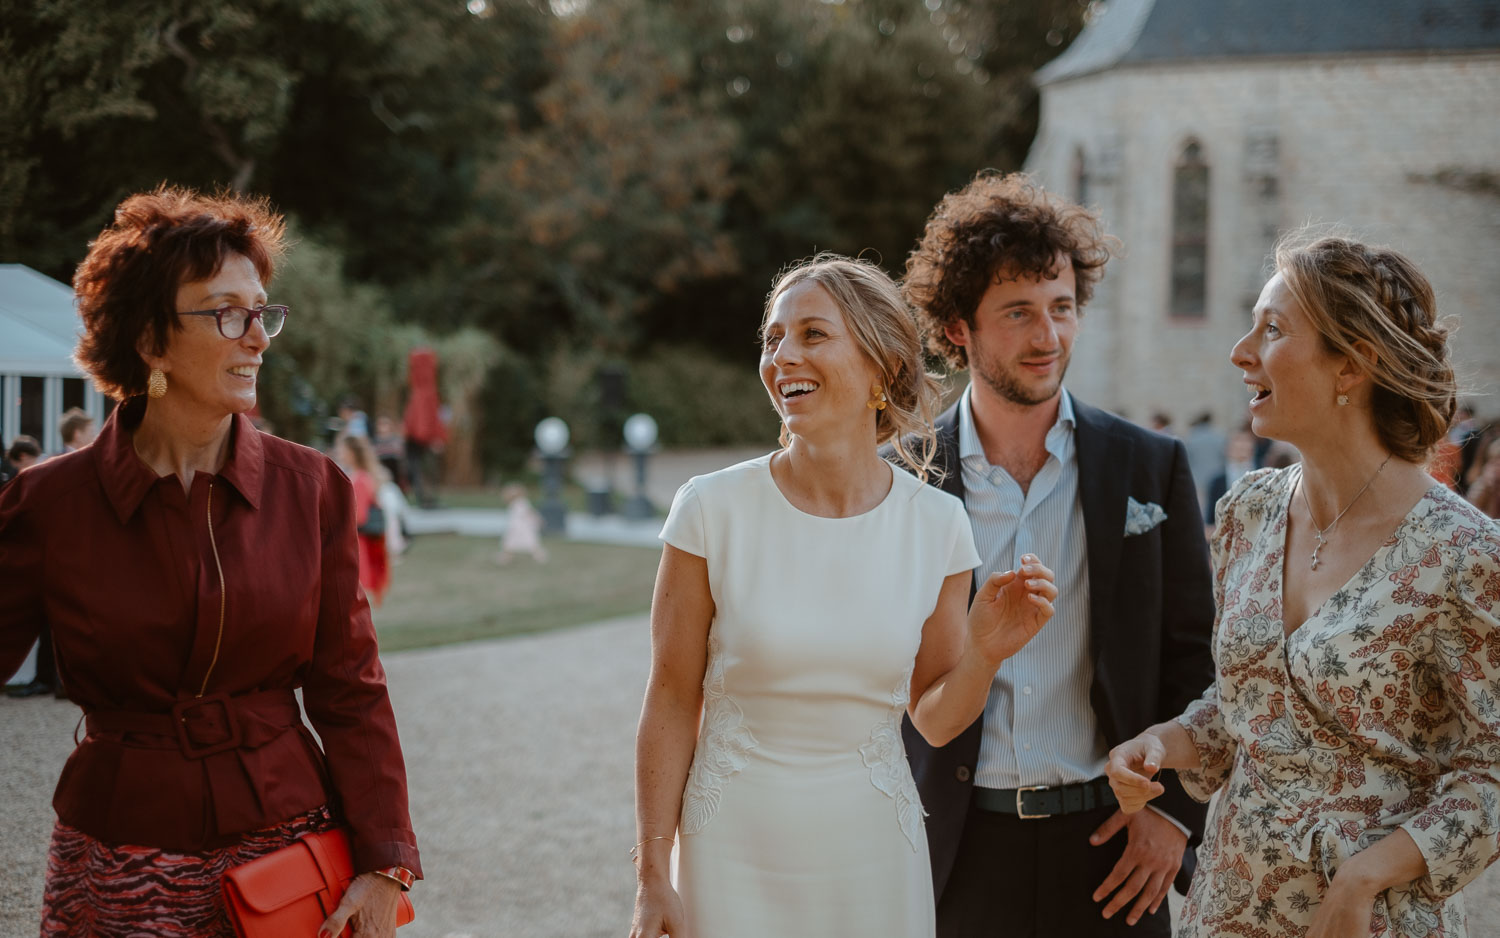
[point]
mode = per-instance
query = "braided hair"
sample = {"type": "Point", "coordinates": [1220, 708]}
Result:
{"type": "Point", "coordinates": [1354, 292]}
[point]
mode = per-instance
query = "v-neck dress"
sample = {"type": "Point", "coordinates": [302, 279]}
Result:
{"type": "Point", "coordinates": [1380, 712]}
{"type": "Point", "coordinates": [800, 816]}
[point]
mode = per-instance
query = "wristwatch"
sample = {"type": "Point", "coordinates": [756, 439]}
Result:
{"type": "Point", "coordinates": [403, 876]}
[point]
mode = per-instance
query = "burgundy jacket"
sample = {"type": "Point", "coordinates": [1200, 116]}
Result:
{"type": "Point", "coordinates": [183, 622]}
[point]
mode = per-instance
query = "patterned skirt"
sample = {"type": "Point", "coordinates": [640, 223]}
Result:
{"type": "Point", "coordinates": [132, 892]}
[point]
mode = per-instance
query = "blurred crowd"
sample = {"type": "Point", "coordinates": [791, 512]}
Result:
{"type": "Point", "coordinates": [1468, 461]}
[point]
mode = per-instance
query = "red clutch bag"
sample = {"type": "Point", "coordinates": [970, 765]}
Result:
{"type": "Point", "coordinates": [289, 893]}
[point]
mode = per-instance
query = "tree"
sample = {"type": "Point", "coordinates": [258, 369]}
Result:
{"type": "Point", "coordinates": [613, 198]}
{"type": "Point", "coordinates": [360, 115]}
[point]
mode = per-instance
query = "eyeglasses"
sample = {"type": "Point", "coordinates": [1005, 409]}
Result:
{"type": "Point", "coordinates": [234, 321]}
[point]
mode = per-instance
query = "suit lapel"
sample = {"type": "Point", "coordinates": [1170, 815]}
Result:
{"type": "Point", "coordinates": [1103, 487]}
{"type": "Point", "coordinates": [946, 461]}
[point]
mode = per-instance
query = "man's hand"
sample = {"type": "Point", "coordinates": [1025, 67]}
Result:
{"type": "Point", "coordinates": [1148, 866]}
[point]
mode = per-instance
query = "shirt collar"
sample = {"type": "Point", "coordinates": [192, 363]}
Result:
{"type": "Point", "coordinates": [126, 477]}
{"type": "Point", "coordinates": [968, 435]}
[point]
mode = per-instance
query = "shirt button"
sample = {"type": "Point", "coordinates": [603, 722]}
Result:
{"type": "Point", "coordinates": [962, 774]}
{"type": "Point", "coordinates": [1027, 747]}
{"type": "Point", "coordinates": [1026, 690]}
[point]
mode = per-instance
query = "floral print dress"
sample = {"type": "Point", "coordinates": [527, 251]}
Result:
{"type": "Point", "coordinates": [1381, 712]}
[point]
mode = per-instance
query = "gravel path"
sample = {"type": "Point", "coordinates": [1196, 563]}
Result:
{"type": "Point", "coordinates": [519, 754]}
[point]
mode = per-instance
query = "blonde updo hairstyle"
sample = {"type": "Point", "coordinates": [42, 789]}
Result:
{"type": "Point", "coordinates": [1353, 292]}
{"type": "Point", "coordinates": [885, 330]}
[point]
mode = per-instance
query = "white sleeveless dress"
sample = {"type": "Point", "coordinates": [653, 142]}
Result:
{"type": "Point", "coordinates": [800, 816]}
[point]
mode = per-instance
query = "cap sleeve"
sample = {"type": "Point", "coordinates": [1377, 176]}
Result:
{"type": "Point", "coordinates": [962, 554]}
{"type": "Point", "coordinates": [684, 525]}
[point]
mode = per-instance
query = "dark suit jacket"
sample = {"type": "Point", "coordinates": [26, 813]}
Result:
{"type": "Point", "coordinates": [1151, 612]}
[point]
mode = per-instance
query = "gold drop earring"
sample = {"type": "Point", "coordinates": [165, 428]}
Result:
{"type": "Point", "coordinates": [877, 398]}
{"type": "Point", "coordinates": [156, 384]}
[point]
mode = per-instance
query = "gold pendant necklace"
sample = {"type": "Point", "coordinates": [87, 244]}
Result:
{"type": "Point", "coordinates": [1319, 532]}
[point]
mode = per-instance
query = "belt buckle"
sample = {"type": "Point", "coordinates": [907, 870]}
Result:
{"type": "Point", "coordinates": [185, 742]}
{"type": "Point", "coordinates": [1020, 792]}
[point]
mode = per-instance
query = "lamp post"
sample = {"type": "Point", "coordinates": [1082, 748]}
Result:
{"type": "Point", "coordinates": [640, 440]}
{"type": "Point", "coordinates": [552, 444]}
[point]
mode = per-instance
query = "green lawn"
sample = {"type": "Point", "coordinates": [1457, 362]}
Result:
{"type": "Point", "coordinates": [573, 495]}
{"type": "Point", "coordinates": [448, 588]}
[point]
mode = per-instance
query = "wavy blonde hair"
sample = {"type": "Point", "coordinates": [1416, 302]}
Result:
{"type": "Point", "coordinates": [1353, 292]}
{"type": "Point", "coordinates": [885, 330]}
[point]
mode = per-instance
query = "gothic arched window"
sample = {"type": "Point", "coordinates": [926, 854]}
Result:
{"type": "Point", "coordinates": [1080, 177]}
{"type": "Point", "coordinates": [1189, 296]}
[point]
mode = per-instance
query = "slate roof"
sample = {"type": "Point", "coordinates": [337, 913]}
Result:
{"type": "Point", "coordinates": [1132, 32]}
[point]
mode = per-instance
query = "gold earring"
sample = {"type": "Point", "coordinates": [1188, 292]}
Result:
{"type": "Point", "coordinates": [156, 384]}
{"type": "Point", "coordinates": [877, 393]}
{"type": "Point", "coordinates": [1343, 400]}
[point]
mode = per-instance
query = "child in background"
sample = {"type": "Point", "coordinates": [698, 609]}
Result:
{"type": "Point", "coordinates": [523, 526]}
{"type": "Point", "coordinates": [365, 472]}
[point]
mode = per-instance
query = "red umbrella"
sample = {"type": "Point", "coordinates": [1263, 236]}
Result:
{"type": "Point", "coordinates": [423, 425]}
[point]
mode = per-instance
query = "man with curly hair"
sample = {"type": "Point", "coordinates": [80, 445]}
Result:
{"type": "Point", "coordinates": [1024, 834]}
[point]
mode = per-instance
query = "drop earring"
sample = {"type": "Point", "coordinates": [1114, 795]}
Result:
{"type": "Point", "coordinates": [1343, 400]}
{"type": "Point", "coordinates": [877, 398]}
{"type": "Point", "coordinates": [156, 384]}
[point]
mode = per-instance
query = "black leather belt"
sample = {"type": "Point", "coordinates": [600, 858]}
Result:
{"type": "Point", "coordinates": [1038, 801]}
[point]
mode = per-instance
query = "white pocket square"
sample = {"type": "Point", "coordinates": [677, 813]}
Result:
{"type": "Point", "coordinates": [1141, 518]}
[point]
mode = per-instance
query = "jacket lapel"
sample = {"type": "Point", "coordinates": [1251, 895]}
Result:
{"type": "Point", "coordinates": [1103, 487]}
{"type": "Point", "coordinates": [946, 459]}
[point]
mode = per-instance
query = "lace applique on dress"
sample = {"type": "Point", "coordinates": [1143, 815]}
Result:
{"type": "Point", "coordinates": [885, 756]}
{"type": "Point", "coordinates": [722, 747]}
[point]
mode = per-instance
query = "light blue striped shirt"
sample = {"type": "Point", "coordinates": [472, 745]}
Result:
{"type": "Point", "coordinates": [1039, 726]}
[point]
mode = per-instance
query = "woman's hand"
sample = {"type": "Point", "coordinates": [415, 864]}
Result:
{"type": "Point", "coordinates": [658, 911]}
{"type": "Point", "coordinates": [1132, 771]}
{"type": "Point", "coordinates": [1009, 609]}
{"type": "Point", "coordinates": [368, 907]}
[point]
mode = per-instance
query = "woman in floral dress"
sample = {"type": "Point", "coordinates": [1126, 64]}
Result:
{"type": "Point", "coordinates": [1353, 730]}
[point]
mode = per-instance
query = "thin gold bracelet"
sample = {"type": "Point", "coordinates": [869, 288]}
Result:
{"type": "Point", "coordinates": [635, 852]}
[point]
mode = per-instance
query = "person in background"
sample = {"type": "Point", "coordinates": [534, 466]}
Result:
{"type": "Point", "coordinates": [352, 420]}
{"type": "Point", "coordinates": [76, 428]}
{"type": "Point", "coordinates": [1205, 451]}
{"type": "Point", "coordinates": [195, 574]}
{"type": "Point", "coordinates": [366, 474]}
{"type": "Point", "coordinates": [1161, 422]}
{"type": "Point", "coordinates": [8, 469]}
{"type": "Point", "coordinates": [1239, 458]}
{"type": "Point", "coordinates": [1484, 491]}
{"type": "Point", "coordinates": [523, 526]}
{"type": "Point", "coordinates": [25, 452]}
{"type": "Point", "coordinates": [1465, 433]}
{"type": "Point", "coordinates": [390, 447]}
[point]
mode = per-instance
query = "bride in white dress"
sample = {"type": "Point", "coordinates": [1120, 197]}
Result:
{"type": "Point", "coordinates": [805, 601]}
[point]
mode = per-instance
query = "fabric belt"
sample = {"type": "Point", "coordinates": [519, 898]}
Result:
{"type": "Point", "coordinates": [203, 726]}
{"type": "Point", "coordinates": [1039, 801]}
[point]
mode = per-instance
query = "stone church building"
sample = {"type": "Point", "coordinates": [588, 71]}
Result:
{"type": "Point", "coordinates": [1203, 130]}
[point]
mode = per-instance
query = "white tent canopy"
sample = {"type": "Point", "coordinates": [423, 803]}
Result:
{"type": "Point", "coordinates": [38, 329]}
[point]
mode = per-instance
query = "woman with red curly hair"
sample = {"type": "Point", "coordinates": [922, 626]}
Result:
{"type": "Point", "coordinates": [195, 572]}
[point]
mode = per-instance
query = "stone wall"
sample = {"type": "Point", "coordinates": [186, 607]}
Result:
{"type": "Point", "coordinates": [1386, 148]}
